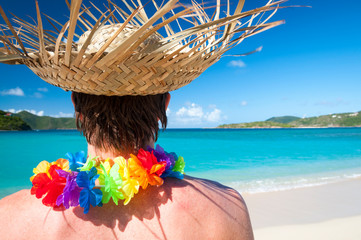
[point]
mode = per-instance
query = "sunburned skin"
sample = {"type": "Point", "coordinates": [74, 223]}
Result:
{"type": "Point", "coordinates": [179, 209]}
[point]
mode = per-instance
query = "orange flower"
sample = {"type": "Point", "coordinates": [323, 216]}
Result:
{"type": "Point", "coordinates": [149, 169]}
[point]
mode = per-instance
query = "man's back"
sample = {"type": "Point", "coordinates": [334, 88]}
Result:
{"type": "Point", "coordinates": [179, 209]}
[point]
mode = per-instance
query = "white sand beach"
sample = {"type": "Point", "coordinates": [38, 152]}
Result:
{"type": "Point", "coordinates": [331, 211]}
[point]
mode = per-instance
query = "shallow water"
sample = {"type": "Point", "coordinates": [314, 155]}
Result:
{"type": "Point", "coordinates": [251, 160]}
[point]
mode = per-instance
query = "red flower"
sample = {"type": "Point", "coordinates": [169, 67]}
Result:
{"type": "Point", "coordinates": [52, 185]}
{"type": "Point", "coordinates": [150, 162]}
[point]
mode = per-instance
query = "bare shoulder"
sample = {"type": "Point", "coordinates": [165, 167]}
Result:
{"type": "Point", "coordinates": [20, 214]}
{"type": "Point", "coordinates": [222, 208]}
{"type": "Point", "coordinates": [14, 201]}
{"type": "Point", "coordinates": [10, 207]}
{"type": "Point", "coordinates": [189, 209]}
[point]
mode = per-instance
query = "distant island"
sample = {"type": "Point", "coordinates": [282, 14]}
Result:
{"type": "Point", "coordinates": [330, 120]}
{"type": "Point", "coordinates": [10, 122]}
{"type": "Point", "coordinates": [28, 121]}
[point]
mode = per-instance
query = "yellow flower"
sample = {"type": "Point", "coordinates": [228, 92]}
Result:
{"type": "Point", "coordinates": [43, 167]}
{"type": "Point", "coordinates": [122, 164]}
{"type": "Point", "coordinates": [129, 171]}
{"type": "Point", "coordinates": [107, 164]}
{"type": "Point", "coordinates": [130, 186]}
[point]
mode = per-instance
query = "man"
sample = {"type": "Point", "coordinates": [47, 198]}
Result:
{"type": "Point", "coordinates": [179, 209]}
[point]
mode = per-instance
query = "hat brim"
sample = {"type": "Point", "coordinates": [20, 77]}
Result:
{"type": "Point", "coordinates": [131, 67]}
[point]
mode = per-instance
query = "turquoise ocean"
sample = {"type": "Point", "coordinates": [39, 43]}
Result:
{"type": "Point", "coordinates": [249, 160]}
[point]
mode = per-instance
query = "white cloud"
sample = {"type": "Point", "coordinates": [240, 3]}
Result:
{"type": "Point", "coordinates": [244, 103]}
{"type": "Point", "coordinates": [237, 63]}
{"type": "Point", "coordinates": [214, 116]}
{"type": "Point", "coordinates": [39, 113]}
{"type": "Point", "coordinates": [194, 114]}
{"type": "Point", "coordinates": [192, 111]}
{"type": "Point", "coordinates": [43, 89]}
{"type": "Point", "coordinates": [61, 115]}
{"type": "Point", "coordinates": [12, 110]}
{"type": "Point", "coordinates": [13, 92]}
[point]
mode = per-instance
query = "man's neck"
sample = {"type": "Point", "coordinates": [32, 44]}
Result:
{"type": "Point", "coordinates": [104, 154]}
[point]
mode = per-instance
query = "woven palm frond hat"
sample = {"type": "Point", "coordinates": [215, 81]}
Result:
{"type": "Point", "coordinates": [125, 50]}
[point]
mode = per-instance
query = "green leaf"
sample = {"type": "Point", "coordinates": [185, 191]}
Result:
{"type": "Point", "coordinates": [90, 162]}
{"type": "Point", "coordinates": [112, 182]}
{"type": "Point", "coordinates": [179, 165]}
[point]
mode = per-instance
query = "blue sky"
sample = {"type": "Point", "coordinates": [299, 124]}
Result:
{"type": "Point", "coordinates": [309, 66]}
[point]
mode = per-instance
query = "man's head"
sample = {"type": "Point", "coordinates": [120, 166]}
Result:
{"type": "Point", "coordinates": [120, 124]}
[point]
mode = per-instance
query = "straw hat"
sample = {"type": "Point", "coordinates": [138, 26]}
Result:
{"type": "Point", "coordinates": [124, 51]}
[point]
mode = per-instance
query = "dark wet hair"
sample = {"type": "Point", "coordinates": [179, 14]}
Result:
{"type": "Point", "coordinates": [119, 123]}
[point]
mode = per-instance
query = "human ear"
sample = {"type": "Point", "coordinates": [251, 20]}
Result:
{"type": "Point", "coordinates": [167, 101]}
{"type": "Point", "coordinates": [72, 99]}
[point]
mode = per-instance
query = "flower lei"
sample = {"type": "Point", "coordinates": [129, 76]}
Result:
{"type": "Point", "coordinates": [71, 182]}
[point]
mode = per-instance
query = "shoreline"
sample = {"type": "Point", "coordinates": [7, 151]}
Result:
{"type": "Point", "coordinates": [252, 184]}
{"type": "Point", "coordinates": [308, 213]}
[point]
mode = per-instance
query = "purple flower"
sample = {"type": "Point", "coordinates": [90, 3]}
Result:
{"type": "Point", "coordinates": [169, 158]}
{"type": "Point", "coordinates": [71, 192]}
{"type": "Point", "coordinates": [162, 155]}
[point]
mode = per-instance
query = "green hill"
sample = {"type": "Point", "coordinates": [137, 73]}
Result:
{"type": "Point", "coordinates": [12, 122]}
{"type": "Point", "coordinates": [263, 124]}
{"type": "Point", "coordinates": [283, 119]}
{"type": "Point", "coordinates": [331, 120]}
{"type": "Point", "coordinates": [45, 122]}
